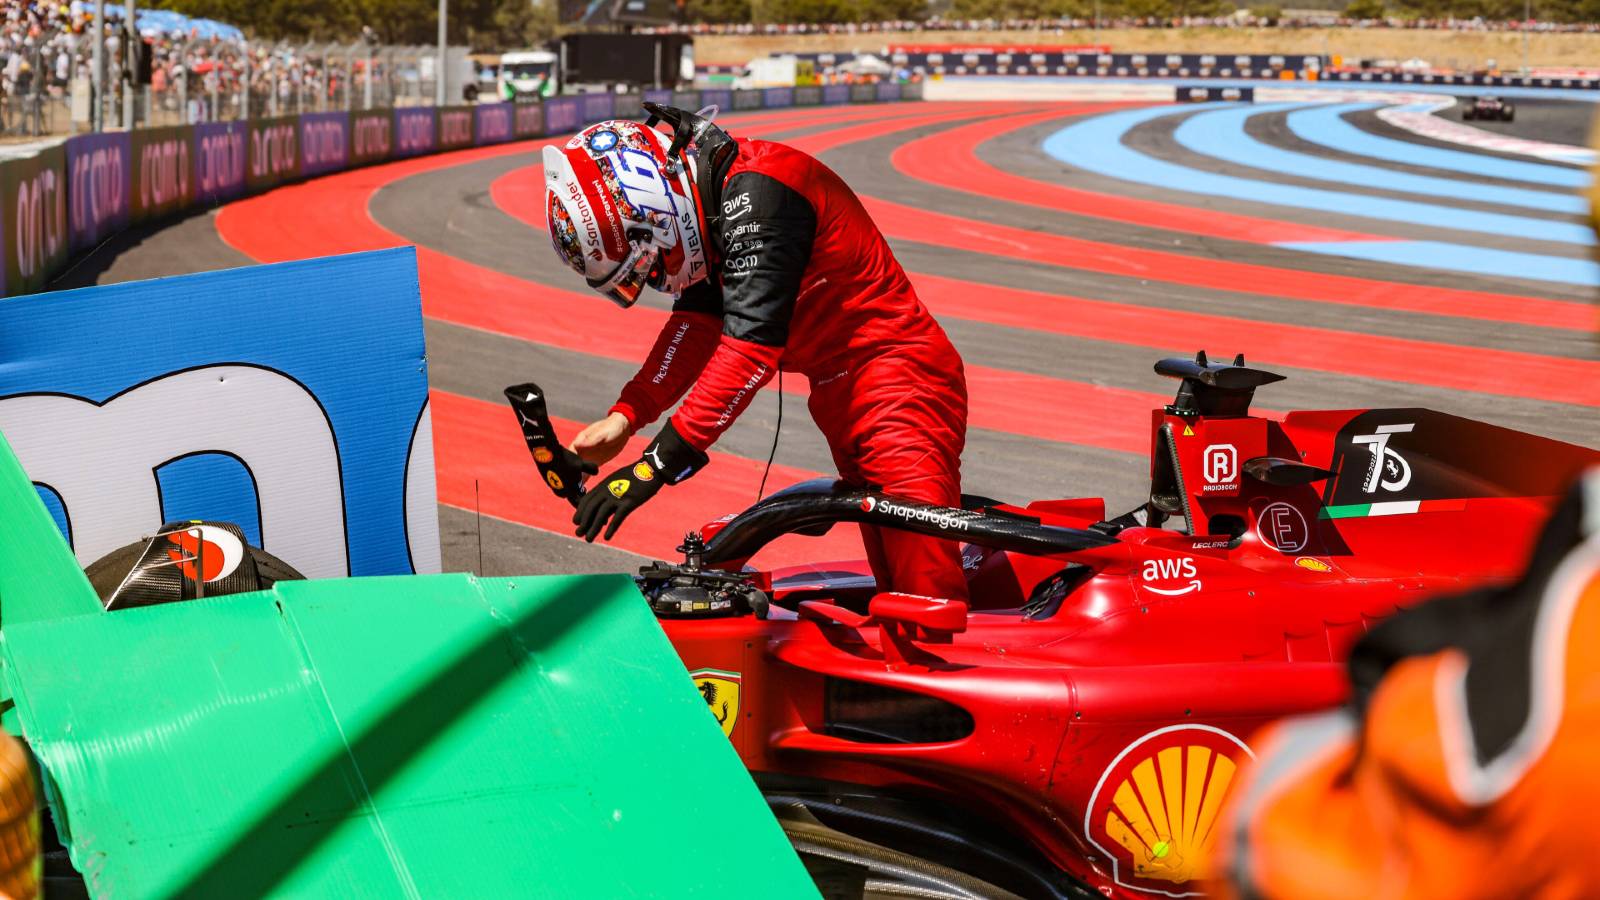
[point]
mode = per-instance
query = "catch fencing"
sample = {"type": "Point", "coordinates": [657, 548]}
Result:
{"type": "Point", "coordinates": [66, 199]}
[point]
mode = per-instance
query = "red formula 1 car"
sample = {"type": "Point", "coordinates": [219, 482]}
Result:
{"type": "Point", "coordinates": [1076, 730]}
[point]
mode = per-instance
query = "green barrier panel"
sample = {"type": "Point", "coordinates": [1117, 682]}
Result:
{"type": "Point", "coordinates": [425, 736]}
{"type": "Point", "coordinates": [35, 226]}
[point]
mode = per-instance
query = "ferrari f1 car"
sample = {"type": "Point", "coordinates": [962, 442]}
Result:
{"type": "Point", "coordinates": [1075, 728]}
{"type": "Point", "coordinates": [1488, 109]}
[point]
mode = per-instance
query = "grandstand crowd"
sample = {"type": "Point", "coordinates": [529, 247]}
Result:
{"type": "Point", "coordinates": [1242, 19]}
{"type": "Point", "coordinates": [44, 46]}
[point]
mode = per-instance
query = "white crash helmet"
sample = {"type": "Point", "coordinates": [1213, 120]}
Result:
{"type": "Point", "coordinates": [623, 213]}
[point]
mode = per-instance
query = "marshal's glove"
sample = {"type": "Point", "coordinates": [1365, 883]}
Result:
{"type": "Point", "coordinates": [562, 470]}
{"type": "Point", "coordinates": [668, 460]}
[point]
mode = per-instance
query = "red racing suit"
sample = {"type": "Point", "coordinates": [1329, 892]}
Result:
{"type": "Point", "coordinates": [802, 279]}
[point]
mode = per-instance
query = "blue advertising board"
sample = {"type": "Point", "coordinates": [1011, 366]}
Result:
{"type": "Point", "coordinates": [491, 123]}
{"type": "Point", "coordinates": [836, 93]}
{"type": "Point", "coordinates": [221, 158]}
{"type": "Point", "coordinates": [561, 115]}
{"type": "Point", "coordinates": [290, 399]}
{"type": "Point", "coordinates": [98, 173]}
{"type": "Point", "coordinates": [597, 108]}
{"type": "Point", "coordinates": [413, 131]}
{"type": "Point", "coordinates": [720, 98]}
{"type": "Point", "coordinates": [324, 142]}
{"type": "Point", "coordinates": [778, 96]}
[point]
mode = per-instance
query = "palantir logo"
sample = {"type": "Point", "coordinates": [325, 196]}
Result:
{"type": "Point", "coordinates": [1386, 468]}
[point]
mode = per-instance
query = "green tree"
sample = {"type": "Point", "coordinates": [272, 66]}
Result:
{"type": "Point", "coordinates": [1365, 9]}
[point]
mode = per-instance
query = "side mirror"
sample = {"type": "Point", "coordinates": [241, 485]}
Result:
{"type": "Point", "coordinates": [935, 615]}
{"type": "Point", "coordinates": [900, 617]}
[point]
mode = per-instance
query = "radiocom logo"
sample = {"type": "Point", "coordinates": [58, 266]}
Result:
{"type": "Point", "coordinates": [316, 441]}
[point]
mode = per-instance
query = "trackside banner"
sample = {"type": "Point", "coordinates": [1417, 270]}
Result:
{"type": "Point", "coordinates": [324, 142]}
{"type": "Point", "coordinates": [562, 115]}
{"type": "Point", "coordinates": [274, 152]}
{"type": "Point", "coordinates": [97, 186]}
{"type": "Point", "coordinates": [528, 120]}
{"type": "Point", "coordinates": [35, 226]}
{"type": "Point", "coordinates": [455, 127]}
{"type": "Point", "coordinates": [221, 158]}
{"type": "Point", "coordinates": [68, 198]}
{"type": "Point", "coordinates": [371, 137]}
{"type": "Point", "coordinates": [296, 407]}
{"type": "Point", "coordinates": [492, 123]}
{"type": "Point", "coordinates": [413, 131]}
{"type": "Point", "coordinates": [163, 171]}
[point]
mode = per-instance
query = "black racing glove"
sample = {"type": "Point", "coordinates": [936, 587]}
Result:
{"type": "Point", "coordinates": [668, 460]}
{"type": "Point", "coordinates": [561, 469]}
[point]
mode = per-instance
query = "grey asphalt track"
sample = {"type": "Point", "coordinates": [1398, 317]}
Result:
{"type": "Point", "coordinates": [451, 210]}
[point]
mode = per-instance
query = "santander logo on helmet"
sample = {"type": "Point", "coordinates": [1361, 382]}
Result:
{"type": "Point", "coordinates": [622, 213]}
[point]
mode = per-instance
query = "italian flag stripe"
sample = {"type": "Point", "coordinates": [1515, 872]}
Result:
{"type": "Point", "coordinates": [1390, 508]}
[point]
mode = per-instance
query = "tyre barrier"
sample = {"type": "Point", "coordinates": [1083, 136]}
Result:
{"type": "Point", "coordinates": [1200, 93]}
{"type": "Point", "coordinates": [68, 198]}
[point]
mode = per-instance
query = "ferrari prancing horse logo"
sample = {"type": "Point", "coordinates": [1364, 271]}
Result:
{"type": "Point", "coordinates": [720, 689]}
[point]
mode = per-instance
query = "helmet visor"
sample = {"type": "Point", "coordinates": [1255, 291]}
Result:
{"type": "Point", "coordinates": [623, 285]}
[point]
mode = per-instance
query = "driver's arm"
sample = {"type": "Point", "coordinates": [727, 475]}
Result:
{"type": "Point", "coordinates": [767, 248]}
{"type": "Point", "coordinates": [680, 353]}
{"type": "Point", "coordinates": [767, 231]}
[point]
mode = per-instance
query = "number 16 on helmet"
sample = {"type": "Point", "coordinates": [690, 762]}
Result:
{"type": "Point", "coordinates": [622, 213]}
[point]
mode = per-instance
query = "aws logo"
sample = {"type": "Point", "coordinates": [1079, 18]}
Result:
{"type": "Point", "coordinates": [1155, 811]}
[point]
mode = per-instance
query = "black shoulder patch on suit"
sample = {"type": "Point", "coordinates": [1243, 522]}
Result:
{"type": "Point", "coordinates": [765, 238]}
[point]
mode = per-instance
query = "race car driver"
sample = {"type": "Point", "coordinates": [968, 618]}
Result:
{"type": "Point", "coordinates": [775, 264]}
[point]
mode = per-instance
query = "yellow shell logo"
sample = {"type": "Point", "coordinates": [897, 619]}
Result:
{"type": "Point", "coordinates": [643, 472]}
{"type": "Point", "coordinates": [554, 480]}
{"type": "Point", "coordinates": [1155, 812]}
{"type": "Point", "coordinates": [720, 689]}
{"type": "Point", "coordinates": [543, 455]}
{"type": "Point", "coordinates": [618, 487]}
{"type": "Point", "coordinates": [1313, 564]}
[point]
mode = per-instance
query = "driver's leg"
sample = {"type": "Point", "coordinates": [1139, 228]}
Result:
{"type": "Point", "coordinates": [900, 425]}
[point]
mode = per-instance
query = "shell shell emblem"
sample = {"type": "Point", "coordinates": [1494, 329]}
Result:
{"type": "Point", "coordinates": [1155, 811]}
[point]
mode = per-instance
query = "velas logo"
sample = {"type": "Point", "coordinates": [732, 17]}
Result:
{"type": "Point", "coordinates": [205, 553]}
{"type": "Point", "coordinates": [1154, 813]}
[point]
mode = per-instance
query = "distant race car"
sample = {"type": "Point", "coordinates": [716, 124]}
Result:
{"type": "Point", "coordinates": [1488, 109]}
{"type": "Point", "coordinates": [1073, 730]}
